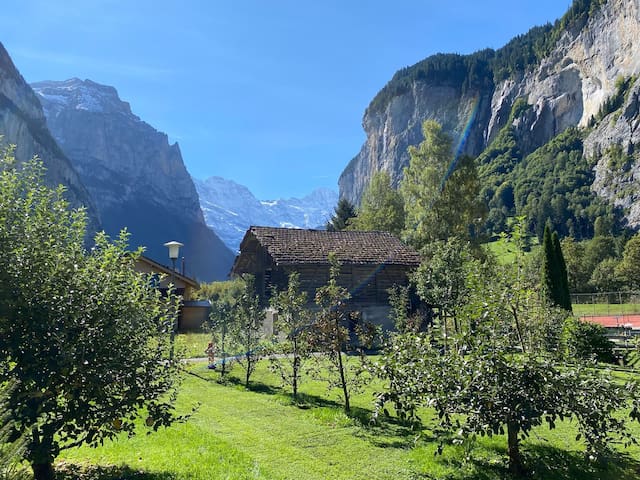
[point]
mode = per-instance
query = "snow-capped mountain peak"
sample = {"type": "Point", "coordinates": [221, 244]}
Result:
{"type": "Point", "coordinates": [230, 209]}
{"type": "Point", "coordinates": [79, 94]}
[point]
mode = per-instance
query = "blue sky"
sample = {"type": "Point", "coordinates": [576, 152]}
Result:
{"type": "Point", "coordinates": [269, 94]}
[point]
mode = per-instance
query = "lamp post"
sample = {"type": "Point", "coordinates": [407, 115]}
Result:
{"type": "Point", "coordinates": [174, 253]}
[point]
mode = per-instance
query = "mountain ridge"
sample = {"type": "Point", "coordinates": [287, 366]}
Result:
{"type": "Point", "coordinates": [23, 124]}
{"type": "Point", "coordinates": [564, 72]}
{"type": "Point", "coordinates": [230, 209]}
{"type": "Point", "coordinates": [136, 178]}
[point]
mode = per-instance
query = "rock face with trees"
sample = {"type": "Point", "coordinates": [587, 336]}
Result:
{"type": "Point", "coordinates": [135, 177]}
{"type": "Point", "coordinates": [507, 103]}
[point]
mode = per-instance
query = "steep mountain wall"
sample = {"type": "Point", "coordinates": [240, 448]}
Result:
{"type": "Point", "coordinates": [135, 177]}
{"type": "Point", "coordinates": [569, 86]}
{"type": "Point", "coordinates": [614, 147]}
{"type": "Point", "coordinates": [566, 87]}
{"type": "Point", "coordinates": [23, 124]}
{"type": "Point", "coordinates": [392, 129]}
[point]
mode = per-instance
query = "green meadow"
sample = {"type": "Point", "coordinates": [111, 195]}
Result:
{"type": "Point", "coordinates": [260, 433]}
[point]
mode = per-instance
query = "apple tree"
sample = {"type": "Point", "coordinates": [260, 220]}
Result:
{"type": "Point", "coordinates": [84, 338]}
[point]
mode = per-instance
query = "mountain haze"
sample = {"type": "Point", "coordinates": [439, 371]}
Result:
{"type": "Point", "coordinates": [135, 177]}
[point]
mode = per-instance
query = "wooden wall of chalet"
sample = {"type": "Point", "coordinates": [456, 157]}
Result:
{"type": "Point", "coordinates": [368, 284]}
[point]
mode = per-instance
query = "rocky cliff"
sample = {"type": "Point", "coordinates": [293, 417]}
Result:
{"type": "Point", "coordinates": [135, 177]}
{"type": "Point", "coordinates": [614, 147]}
{"type": "Point", "coordinates": [574, 70]}
{"type": "Point", "coordinates": [23, 124]}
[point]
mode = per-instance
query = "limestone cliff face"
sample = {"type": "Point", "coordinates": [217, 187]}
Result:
{"type": "Point", "coordinates": [614, 148]}
{"type": "Point", "coordinates": [135, 177]}
{"type": "Point", "coordinates": [566, 88]}
{"type": "Point", "coordinates": [390, 131]}
{"type": "Point", "coordinates": [23, 124]}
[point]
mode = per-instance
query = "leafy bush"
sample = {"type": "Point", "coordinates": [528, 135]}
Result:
{"type": "Point", "coordinates": [585, 340]}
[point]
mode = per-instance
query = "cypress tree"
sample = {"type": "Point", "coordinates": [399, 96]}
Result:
{"type": "Point", "coordinates": [554, 270]}
{"type": "Point", "coordinates": [561, 272]}
{"type": "Point", "coordinates": [547, 273]}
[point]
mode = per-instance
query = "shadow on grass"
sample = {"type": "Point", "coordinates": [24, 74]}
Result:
{"type": "Point", "coordinates": [72, 471]}
{"type": "Point", "coordinates": [545, 463]}
{"type": "Point", "coordinates": [552, 463]}
{"type": "Point", "coordinates": [257, 387]}
{"type": "Point", "coordinates": [385, 432]}
{"type": "Point", "coordinates": [232, 380]}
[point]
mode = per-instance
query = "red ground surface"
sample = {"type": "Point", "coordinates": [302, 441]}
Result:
{"type": "Point", "coordinates": [610, 321]}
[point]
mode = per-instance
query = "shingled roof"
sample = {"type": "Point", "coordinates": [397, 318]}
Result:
{"type": "Point", "coordinates": [289, 246]}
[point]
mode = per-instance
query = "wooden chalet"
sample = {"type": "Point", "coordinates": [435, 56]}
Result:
{"type": "Point", "coordinates": [371, 263]}
{"type": "Point", "coordinates": [193, 313]}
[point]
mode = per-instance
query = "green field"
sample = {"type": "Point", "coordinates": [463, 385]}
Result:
{"type": "Point", "coordinates": [505, 251]}
{"type": "Point", "coordinates": [580, 309]}
{"type": "Point", "coordinates": [261, 434]}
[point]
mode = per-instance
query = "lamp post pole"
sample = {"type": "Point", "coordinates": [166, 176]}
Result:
{"type": "Point", "coordinates": [174, 253]}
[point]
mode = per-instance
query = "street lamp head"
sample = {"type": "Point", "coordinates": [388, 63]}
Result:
{"type": "Point", "coordinates": [174, 249]}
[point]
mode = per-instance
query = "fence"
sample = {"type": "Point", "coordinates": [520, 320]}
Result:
{"type": "Point", "coordinates": [606, 303]}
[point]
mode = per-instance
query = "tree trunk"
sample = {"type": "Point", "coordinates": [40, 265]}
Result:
{"type": "Point", "coordinates": [296, 368]}
{"type": "Point", "coordinates": [444, 323]}
{"type": "Point", "coordinates": [513, 449]}
{"type": "Point", "coordinates": [514, 312]}
{"type": "Point", "coordinates": [248, 372]}
{"type": "Point", "coordinates": [223, 355]}
{"type": "Point", "coordinates": [41, 454]}
{"type": "Point", "coordinates": [43, 471]}
{"type": "Point", "coordinates": [345, 390]}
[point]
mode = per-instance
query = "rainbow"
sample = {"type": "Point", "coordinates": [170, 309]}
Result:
{"type": "Point", "coordinates": [475, 103]}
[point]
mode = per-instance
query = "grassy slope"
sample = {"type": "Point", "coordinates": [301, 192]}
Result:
{"type": "Point", "coordinates": [260, 434]}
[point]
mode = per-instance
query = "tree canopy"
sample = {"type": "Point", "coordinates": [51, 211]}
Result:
{"type": "Point", "coordinates": [343, 216]}
{"type": "Point", "coordinates": [381, 208]}
{"type": "Point", "coordinates": [629, 267]}
{"type": "Point", "coordinates": [440, 192]}
{"type": "Point", "coordinates": [84, 338]}
{"type": "Point", "coordinates": [503, 371]}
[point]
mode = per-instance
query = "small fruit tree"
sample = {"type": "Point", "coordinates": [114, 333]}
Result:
{"type": "Point", "coordinates": [84, 338]}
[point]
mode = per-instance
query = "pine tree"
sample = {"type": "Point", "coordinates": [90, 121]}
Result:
{"type": "Point", "coordinates": [345, 212]}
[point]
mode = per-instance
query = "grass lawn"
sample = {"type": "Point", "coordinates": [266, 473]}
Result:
{"type": "Point", "coordinates": [505, 250]}
{"type": "Point", "coordinates": [580, 309]}
{"type": "Point", "coordinates": [192, 344]}
{"type": "Point", "coordinates": [261, 434]}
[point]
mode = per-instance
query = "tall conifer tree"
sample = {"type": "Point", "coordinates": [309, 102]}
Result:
{"type": "Point", "coordinates": [564, 297]}
{"type": "Point", "coordinates": [554, 270]}
{"type": "Point", "coordinates": [345, 212]}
